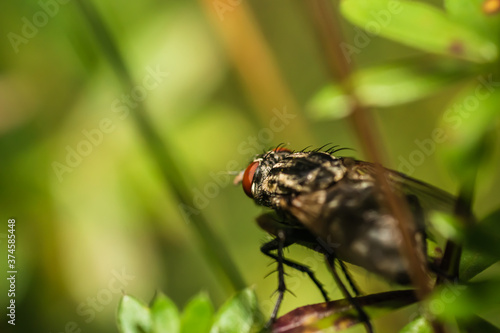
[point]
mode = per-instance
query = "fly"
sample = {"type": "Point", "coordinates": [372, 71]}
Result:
{"type": "Point", "coordinates": [333, 205]}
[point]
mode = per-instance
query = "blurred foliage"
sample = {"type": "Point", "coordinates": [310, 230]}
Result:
{"type": "Point", "coordinates": [94, 215]}
{"type": "Point", "coordinates": [240, 314]}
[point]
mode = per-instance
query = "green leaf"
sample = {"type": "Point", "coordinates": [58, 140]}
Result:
{"type": "Point", "coordinates": [470, 13]}
{"type": "Point", "coordinates": [478, 324]}
{"type": "Point", "coordinates": [434, 250]}
{"type": "Point", "coordinates": [451, 301]}
{"type": "Point", "coordinates": [385, 86]}
{"type": "Point", "coordinates": [330, 103]}
{"type": "Point", "coordinates": [133, 316]}
{"type": "Point", "coordinates": [481, 241]}
{"type": "Point", "coordinates": [419, 325]}
{"type": "Point", "coordinates": [484, 237]}
{"type": "Point", "coordinates": [471, 124]}
{"type": "Point", "coordinates": [474, 262]}
{"type": "Point", "coordinates": [164, 315]}
{"type": "Point", "coordinates": [447, 225]}
{"type": "Point", "coordinates": [238, 315]}
{"type": "Point", "coordinates": [418, 25]}
{"type": "Point", "coordinates": [404, 82]}
{"type": "Point", "coordinates": [197, 315]}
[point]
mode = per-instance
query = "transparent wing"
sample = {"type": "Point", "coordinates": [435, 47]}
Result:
{"type": "Point", "coordinates": [430, 197]}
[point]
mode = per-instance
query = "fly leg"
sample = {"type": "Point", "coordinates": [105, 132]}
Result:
{"type": "Point", "coordinates": [277, 244]}
{"type": "Point", "coordinates": [291, 234]}
{"type": "Point", "coordinates": [361, 313]}
{"type": "Point", "coordinates": [273, 245]}
{"type": "Point", "coordinates": [349, 278]}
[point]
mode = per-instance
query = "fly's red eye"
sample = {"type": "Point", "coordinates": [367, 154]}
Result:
{"type": "Point", "coordinates": [282, 149]}
{"type": "Point", "coordinates": [248, 178]}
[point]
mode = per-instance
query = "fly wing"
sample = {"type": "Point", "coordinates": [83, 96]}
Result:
{"type": "Point", "coordinates": [349, 217]}
{"type": "Point", "coordinates": [430, 197]}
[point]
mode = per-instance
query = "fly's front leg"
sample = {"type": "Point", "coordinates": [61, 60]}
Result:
{"type": "Point", "coordinates": [269, 223]}
{"type": "Point", "coordinates": [277, 244]}
{"type": "Point", "coordinates": [267, 249]}
{"type": "Point", "coordinates": [273, 245]}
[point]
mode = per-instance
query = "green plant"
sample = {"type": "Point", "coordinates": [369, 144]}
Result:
{"type": "Point", "coordinates": [460, 50]}
{"type": "Point", "coordinates": [240, 314]}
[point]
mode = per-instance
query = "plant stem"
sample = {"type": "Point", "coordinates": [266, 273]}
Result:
{"type": "Point", "coordinates": [329, 31]}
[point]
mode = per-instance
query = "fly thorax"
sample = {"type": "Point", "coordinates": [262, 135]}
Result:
{"type": "Point", "coordinates": [297, 174]}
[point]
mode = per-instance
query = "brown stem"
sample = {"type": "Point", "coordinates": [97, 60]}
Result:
{"type": "Point", "coordinates": [361, 119]}
{"type": "Point", "coordinates": [326, 19]}
{"type": "Point", "coordinates": [253, 60]}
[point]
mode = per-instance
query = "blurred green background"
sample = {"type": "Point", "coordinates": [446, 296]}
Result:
{"type": "Point", "coordinates": [94, 216]}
